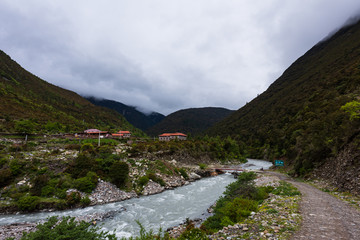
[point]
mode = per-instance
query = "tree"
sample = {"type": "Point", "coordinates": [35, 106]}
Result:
{"type": "Point", "coordinates": [118, 173]}
{"type": "Point", "coordinates": [24, 126]}
{"type": "Point", "coordinates": [353, 108]}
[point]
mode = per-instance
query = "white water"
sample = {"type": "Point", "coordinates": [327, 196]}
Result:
{"type": "Point", "coordinates": [254, 164]}
{"type": "Point", "coordinates": [164, 210]}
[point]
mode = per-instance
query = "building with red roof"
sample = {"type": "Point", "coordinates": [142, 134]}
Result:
{"type": "Point", "coordinates": [122, 134]}
{"type": "Point", "coordinates": [172, 136]}
{"type": "Point", "coordinates": [94, 131]}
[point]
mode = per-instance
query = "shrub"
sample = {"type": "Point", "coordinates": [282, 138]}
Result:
{"type": "Point", "coordinates": [15, 167]}
{"type": "Point", "coordinates": [143, 180]}
{"type": "Point", "coordinates": [73, 198]}
{"type": "Point", "coordinates": [28, 203]}
{"type": "Point", "coordinates": [67, 228]}
{"type": "Point", "coordinates": [239, 200]}
{"type": "Point", "coordinates": [3, 161]}
{"type": "Point", "coordinates": [85, 201]}
{"type": "Point", "coordinates": [5, 176]}
{"type": "Point", "coordinates": [73, 147]}
{"type": "Point", "coordinates": [155, 178]}
{"type": "Point", "coordinates": [60, 193]}
{"type": "Point", "coordinates": [65, 182]}
{"type": "Point", "coordinates": [105, 150]}
{"type": "Point", "coordinates": [87, 147]}
{"type": "Point", "coordinates": [193, 233]}
{"type": "Point", "coordinates": [286, 189]}
{"type": "Point", "coordinates": [61, 204]}
{"type": "Point", "coordinates": [24, 126]}
{"type": "Point", "coordinates": [238, 209]}
{"type": "Point", "coordinates": [202, 166]}
{"type": "Point", "coordinates": [47, 191]}
{"type": "Point", "coordinates": [183, 173]}
{"type": "Point", "coordinates": [53, 127]}
{"type": "Point", "coordinates": [88, 183]}
{"type": "Point", "coordinates": [118, 173]}
{"type": "Point", "coordinates": [38, 183]}
{"type": "Point", "coordinates": [82, 165]}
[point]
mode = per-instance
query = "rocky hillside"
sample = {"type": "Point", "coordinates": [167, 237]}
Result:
{"type": "Point", "coordinates": [190, 121]}
{"type": "Point", "coordinates": [135, 117]}
{"type": "Point", "coordinates": [31, 104]}
{"type": "Point", "coordinates": [304, 116]}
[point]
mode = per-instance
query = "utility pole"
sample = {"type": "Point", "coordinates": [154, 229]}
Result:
{"type": "Point", "coordinates": [99, 139]}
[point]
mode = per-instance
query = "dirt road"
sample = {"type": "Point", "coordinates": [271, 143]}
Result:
{"type": "Point", "coordinates": [324, 216]}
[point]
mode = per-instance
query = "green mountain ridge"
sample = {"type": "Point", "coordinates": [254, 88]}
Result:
{"type": "Point", "coordinates": [132, 115]}
{"type": "Point", "coordinates": [46, 107]}
{"type": "Point", "coordinates": [299, 118]}
{"type": "Point", "coordinates": [190, 121]}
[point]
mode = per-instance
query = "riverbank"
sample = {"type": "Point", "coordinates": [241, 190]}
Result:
{"type": "Point", "coordinates": [156, 207]}
{"type": "Point", "coordinates": [278, 217]}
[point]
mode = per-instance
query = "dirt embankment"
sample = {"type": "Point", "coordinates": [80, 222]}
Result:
{"type": "Point", "coordinates": [342, 171]}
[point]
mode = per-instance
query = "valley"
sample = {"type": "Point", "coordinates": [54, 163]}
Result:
{"type": "Point", "coordinates": [308, 119]}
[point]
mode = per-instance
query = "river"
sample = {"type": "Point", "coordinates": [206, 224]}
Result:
{"type": "Point", "coordinates": [165, 210]}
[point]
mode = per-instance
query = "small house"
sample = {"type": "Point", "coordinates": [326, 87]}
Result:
{"type": "Point", "coordinates": [122, 134]}
{"type": "Point", "coordinates": [172, 136]}
{"type": "Point", "coordinates": [95, 132]}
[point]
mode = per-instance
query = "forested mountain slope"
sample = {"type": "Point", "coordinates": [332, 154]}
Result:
{"type": "Point", "coordinates": [190, 121]}
{"type": "Point", "coordinates": [135, 117]}
{"type": "Point", "coordinates": [32, 104]}
{"type": "Point", "coordinates": [300, 118]}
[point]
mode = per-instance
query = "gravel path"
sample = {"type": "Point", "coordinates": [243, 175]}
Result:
{"type": "Point", "coordinates": [324, 216]}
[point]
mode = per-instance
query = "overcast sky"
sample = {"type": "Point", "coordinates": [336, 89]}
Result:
{"type": "Point", "coordinates": [166, 55]}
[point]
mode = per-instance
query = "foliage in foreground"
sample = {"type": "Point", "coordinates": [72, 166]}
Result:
{"type": "Point", "coordinates": [239, 200]}
{"type": "Point", "coordinates": [67, 228]}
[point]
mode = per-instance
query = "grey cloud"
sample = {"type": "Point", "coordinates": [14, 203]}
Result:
{"type": "Point", "coordinates": [166, 55]}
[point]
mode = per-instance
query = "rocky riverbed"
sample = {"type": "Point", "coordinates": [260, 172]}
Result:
{"type": "Point", "coordinates": [105, 192]}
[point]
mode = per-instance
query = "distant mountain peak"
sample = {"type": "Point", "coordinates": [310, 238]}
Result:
{"type": "Point", "coordinates": [137, 118]}
{"type": "Point", "coordinates": [190, 121]}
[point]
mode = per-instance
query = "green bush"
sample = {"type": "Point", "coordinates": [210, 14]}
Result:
{"type": "Point", "coordinates": [3, 162]}
{"type": "Point", "coordinates": [119, 173]}
{"type": "Point", "coordinates": [143, 180]}
{"type": "Point", "coordinates": [202, 166]}
{"type": "Point", "coordinates": [5, 176]}
{"type": "Point", "coordinates": [88, 183]}
{"type": "Point", "coordinates": [239, 200]}
{"type": "Point", "coordinates": [81, 165]}
{"type": "Point", "coordinates": [105, 150]}
{"type": "Point", "coordinates": [38, 183]}
{"type": "Point", "coordinates": [193, 234]}
{"type": "Point", "coordinates": [67, 228]}
{"type": "Point", "coordinates": [25, 126]}
{"type": "Point", "coordinates": [60, 193]}
{"type": "Point", "coordinates": [53, 127]}
{"type": "Point", "coordinates": [47, 191]}
{"type": "Point", "coordinates": [183, 173]}
{"type": "Point", "coordinates": [28, 203]}
{"type": "Point", "coordinates": [73, 198]}
{"type": "Point", "coordinates": [15, 167]}
{"type": "Point", "coordinates": [156, 179]}
{"type": "Point", "coordinates": [286, 189]}
{"type": "Point", "coordinates": [85, 201]}
{"type": "Point", "coordinates": [238, 209]}
{"type": "Point", "coordinates": [87, 147]}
